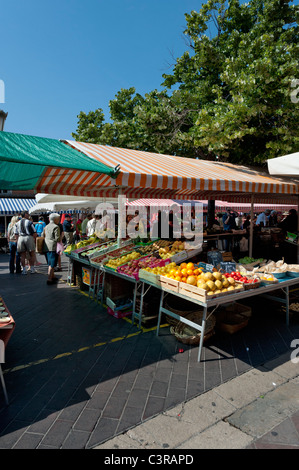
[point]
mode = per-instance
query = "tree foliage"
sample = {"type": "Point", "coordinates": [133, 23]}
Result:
{"type": "Point", "coordinates": [229, 94]}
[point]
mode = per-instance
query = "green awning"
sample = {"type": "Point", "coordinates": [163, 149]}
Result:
{"type": "Point", "coordinates": [24, 159]}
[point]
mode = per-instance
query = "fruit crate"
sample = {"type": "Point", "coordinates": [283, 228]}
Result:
{"type": "Point", "coordinates": [179, 256]}
{"type": "Point", "coordinates": [169, 284]}
{"type": "Point", "coordinates": [162, 263]}
{"type": "Point", "coordinates": [119, 256]}
{"type": "Point", "coordinates": [202, 295]}
{"type": "Point", "coordinates": [150, 277]}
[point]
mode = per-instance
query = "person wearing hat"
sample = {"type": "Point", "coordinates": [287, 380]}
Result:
{"type": "Point", "coordinates": [289, 224]}
{"type": "Point", "coordinates": [263, 218]}
{"type": "Point", "coordinates": [68, 229]}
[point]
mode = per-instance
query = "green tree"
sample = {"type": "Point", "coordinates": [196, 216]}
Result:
{"type": "Point", "coordinates": [229, 94]}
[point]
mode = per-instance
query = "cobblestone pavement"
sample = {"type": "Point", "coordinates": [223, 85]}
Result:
{"type": "Point", "coordinates": [77, 377]}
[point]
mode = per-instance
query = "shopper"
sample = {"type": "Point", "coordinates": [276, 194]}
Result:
{"type": "Point", "coordinates": [26, 235]}
{"type": "Point", "coordinates": [39, 227]}
{"type": "Point", "coordinates": [52, 237]}
{"type": "Point", "coordinates": [84, 224]}
{"type": "Point", "coordinates": [14, 256]}
{"type": "Point", "coordinates": [78, 229]}
{"type": "Point", "coordinates": [68, 229]}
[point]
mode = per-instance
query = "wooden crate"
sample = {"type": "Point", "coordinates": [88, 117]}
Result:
{"type": "Point", "coordinates": [227, 256]}
{"type": "Point", "coordinates": [202, 295]}
{"type": "Point", "coordinates": [151, 277]}
{"type": "Point", "coordinates": [169, 284]}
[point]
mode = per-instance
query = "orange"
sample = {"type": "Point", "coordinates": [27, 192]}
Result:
{"type": "Point", "coordinates": [178, 273]}
{"type": "Point", "coordinates": [184, 279]}
{"type": "Point", "coordinates": [190, 272]}
{"type": "Point", "coordinates": [172, 272]}
{"type": "Point", "coordinates": [178, 278]}
{"type": "Point", "coordinates": [184, 272]}
{"type": "Point", "coordinates": [196, 271]}
{"type": "Point", "coordinates": [183, 265]}
{"type": "Point", "coordinates": [190, 265]}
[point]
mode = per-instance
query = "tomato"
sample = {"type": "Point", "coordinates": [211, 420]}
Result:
{"type": "Point", "coordinates": [233, 273]}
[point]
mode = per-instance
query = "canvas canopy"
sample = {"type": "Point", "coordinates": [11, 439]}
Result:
{"type": "Point", "coordinates": [151, 175]}
{"type": "Point", "coordinates": [24, 159]}
{"type": "Point", "coordinates": [11, 206]}
{"type": "Point", "coordinates": [288, 165]}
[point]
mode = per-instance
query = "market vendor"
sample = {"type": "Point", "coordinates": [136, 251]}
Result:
{"type": "Point", "coordinates": [290, 223]}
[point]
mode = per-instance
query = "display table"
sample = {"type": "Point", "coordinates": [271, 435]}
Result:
{"type": "Point", "coordinates": [6, 330]}
{"type": "Point", "coordinates": [283, 285]}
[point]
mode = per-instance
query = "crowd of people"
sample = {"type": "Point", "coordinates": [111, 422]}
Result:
{"type": "Point", "coordinates": [24, 237]}
{"type": "Point", "coordinates": [232, 220]}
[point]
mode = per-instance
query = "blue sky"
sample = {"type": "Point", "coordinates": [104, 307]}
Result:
{"type": "Point", "coordinates": [61, 57]}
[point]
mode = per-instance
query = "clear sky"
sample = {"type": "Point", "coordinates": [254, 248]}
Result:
{"type": "Point", "coordinates": [61, 57]}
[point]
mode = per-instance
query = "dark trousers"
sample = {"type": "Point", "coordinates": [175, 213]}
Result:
{"type": "Point", "coordinates": [14, 254]}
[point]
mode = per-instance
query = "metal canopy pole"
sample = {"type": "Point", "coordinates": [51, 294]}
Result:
{"type": "Point", "coordinates": [121, 220]}
{"type": "Point", "coordinates": [251, 226]}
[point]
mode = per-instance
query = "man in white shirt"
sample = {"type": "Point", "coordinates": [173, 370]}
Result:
{"type": "Point", "coordinates": [91, 225]}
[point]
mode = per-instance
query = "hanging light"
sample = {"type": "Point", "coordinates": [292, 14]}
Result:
{"type": "Point", "coordinates": [3, 117]}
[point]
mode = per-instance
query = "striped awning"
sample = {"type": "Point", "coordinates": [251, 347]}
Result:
{"type": "Point", "coordinates": [219, 205]}
{"type": "Point", "coordinates": [11, 206]}
{"type": "Point", "coordinates": [150, 175]}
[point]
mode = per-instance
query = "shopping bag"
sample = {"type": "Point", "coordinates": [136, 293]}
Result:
{"type": "Point", "coordinates": [59, 248]}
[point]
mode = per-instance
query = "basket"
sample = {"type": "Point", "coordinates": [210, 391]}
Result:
{"type": "Point", "coordinates": [179, 306]}
{"type": "Point", "coordinates": [187, 334]}
{"type": "Point", "coordinates": [233, 318]}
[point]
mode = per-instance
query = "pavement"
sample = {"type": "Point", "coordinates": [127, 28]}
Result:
{"type": "Point", "coordinates": [78, 378]}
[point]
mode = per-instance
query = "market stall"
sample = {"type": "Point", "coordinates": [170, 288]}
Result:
{"type": "Point", "coordinates": [138, 174]}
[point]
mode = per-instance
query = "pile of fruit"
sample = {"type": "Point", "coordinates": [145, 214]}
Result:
{"type": "Point", "coordinates": [213, 282]}
{"type": "Point", "coordinates": [239, 277]}
{"type": "Point", "coordinates": [98, 249]}
{"type": "Point", "coordinates": [81, 244]}
{"type": "Point", "coordinates": [133, 267]}
{"type": "Point", "coordinates": [170, 250]}
{"type": "Point", "coordinates": [114, 263]}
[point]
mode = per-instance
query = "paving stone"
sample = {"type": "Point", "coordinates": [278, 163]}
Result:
{"type": "Point", "coordinates": [28, 441]}
{"type": "Point", "coordinates": [57, 434]}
